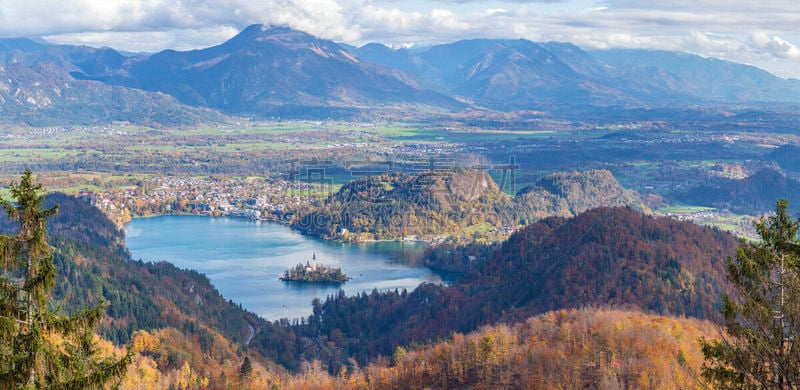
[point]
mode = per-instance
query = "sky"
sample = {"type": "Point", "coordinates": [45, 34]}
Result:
{"type": "Point", "coordinates": [763, 33]}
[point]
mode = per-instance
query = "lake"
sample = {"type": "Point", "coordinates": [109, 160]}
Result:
{"type": "Point", "coordinates": [243, 259]}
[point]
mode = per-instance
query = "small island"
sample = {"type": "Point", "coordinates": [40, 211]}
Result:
{"type": "Point", "coordinates": [314, 273]}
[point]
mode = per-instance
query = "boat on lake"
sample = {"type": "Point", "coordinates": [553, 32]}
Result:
{"type": "Point", "coordinates": [312, 272]}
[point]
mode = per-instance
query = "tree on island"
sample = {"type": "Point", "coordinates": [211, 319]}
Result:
{"type": "Point", "coordinates": [762, 316]}
{"type": "Point", "coordinates": [41, 348]}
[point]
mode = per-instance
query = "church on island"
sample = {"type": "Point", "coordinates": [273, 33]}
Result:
{"type": "Point", "coordinates": [314, 273]}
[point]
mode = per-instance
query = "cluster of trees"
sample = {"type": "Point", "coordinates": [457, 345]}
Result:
{"type": "Point", "coordinates": [459, 257]}
{"type": "Point", "coordinates": [170, 358]}
{"type": "Point", "coordinates": [314, 273]}
{"type": "Point", "coordinates": [587, 348]}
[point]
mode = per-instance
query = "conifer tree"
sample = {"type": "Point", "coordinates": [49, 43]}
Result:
{"type": "Point", "coordinates": [247, 368]}
{"type": "Point", "coordinates": [41, 348]}
{"type": "Point", "coordinates": [762, 316]}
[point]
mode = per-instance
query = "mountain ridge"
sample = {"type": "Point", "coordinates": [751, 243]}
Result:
{"type": "Point", "coordinates": [267, 72]}
{"type": "Point", "coordinates": [594, 77]}
{"type": "Point", "coordinates": [264, 68]}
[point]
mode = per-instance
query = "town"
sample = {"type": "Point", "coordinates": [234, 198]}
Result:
{"type": "Point", "coordinates": [270, 198]}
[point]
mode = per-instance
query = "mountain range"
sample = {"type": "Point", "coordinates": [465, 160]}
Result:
{"type": "Point", "coordinates": [280, 72]}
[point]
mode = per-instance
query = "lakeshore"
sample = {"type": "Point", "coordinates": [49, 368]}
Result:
{"type": "Point", "coordinates": [243, 259]}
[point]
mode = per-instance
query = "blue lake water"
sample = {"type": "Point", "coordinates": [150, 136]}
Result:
{"type": "Point", "coordinates": [243, 259]}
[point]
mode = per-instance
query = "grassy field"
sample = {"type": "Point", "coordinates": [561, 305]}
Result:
{"type": "Point", "coordinates": [479, 229]}
{"type": "Point", "coordinates": [681, 208]}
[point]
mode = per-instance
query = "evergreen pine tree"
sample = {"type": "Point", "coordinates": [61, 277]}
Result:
{"type": "Point", "coordinates": [247, 368]}
{"type": "Point", "coordinates": [41, 348]}
{"type": "Point", "coordinates": [762, 316]}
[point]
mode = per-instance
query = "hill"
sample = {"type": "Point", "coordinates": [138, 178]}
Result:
{"type": "Point", "coordinates": [753, 195]}
{"type": "Point", "coordinates": [185, 318]}
{"type": "Point", "coordinates": [395, 205]}
{"type": "Point", "coordinates": [566, 194]}
{"type": "Point", "coordinates": [610, 256]}
{"type": "Point", "coordinates": [603, 256]}
{"type": "Point", "coordinates": [788, 157]}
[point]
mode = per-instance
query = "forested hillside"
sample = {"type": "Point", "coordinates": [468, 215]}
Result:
{"type": "Point", "coordinates": [575, 349]}
{"type": "Point", "coordinates": [754, 195]}
{"type": "Point", "coordinates": [395, 205]}
{"type": "Point", "coordinates": [788, 157]}
{"type": "Point", "coordinates": [610, 255]}
{"type": "Point", "coordinates": [604, 256]}
{"type": "Point", "coordinates": [587, 348]}
{"type": "Point", "coordinates": [92, 263]}
{"type": "Point", "coordinates": [566, 194]}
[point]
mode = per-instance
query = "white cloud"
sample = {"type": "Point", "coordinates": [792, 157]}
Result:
{"type": "Point", "coordinates": [392, 25]}
{"type": "Point", "coordinates": [148, 41]}
{"type": "Point", "coordinates": [714, 45]}
{"type": "Point", "coordinates": [442, 18]}
{"type": "Point", "coordinates": [324, 18]}
{"type": "Point", "coordinates": [774, 45]}
{"type": "Point", "coordinates": [707, 27]}
{"type": "Point", "coordinates": [391, 19]}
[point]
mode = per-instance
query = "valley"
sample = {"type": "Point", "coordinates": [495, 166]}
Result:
{"type": "Point", "coordinates": [284, 166]}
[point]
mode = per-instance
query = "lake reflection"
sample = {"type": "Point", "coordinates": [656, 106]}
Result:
{"type": "Point", "coordinates": [244, 259]}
